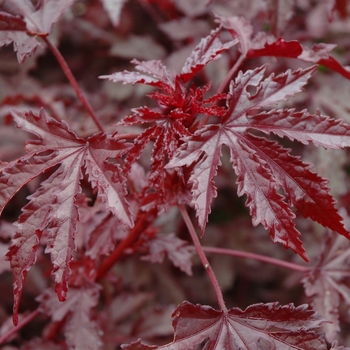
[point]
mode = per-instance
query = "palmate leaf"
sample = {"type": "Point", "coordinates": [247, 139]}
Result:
{"type": "Point", "coordinates": [267, 45]}
{"type": "Point", "coordinates": [259, 326]}
{"type": "Point", "coordinates": [36, 20]}
{"type": "Point", "coordinates": [81, 331]}
{"type": "Point", "coordinates": [263, 167]}
{"type": "Point", "coordinates": [53, 206]}
{"type": "Point", "coordinates": [328, 282]}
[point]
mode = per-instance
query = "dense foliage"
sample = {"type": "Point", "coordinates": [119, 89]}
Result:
{"type": "Point", "coordinates": [143, 143]}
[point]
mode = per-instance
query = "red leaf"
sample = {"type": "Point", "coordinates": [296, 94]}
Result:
{"type": "Point", "coordinates": [259, 326]}
{"type": "Point", "coordinates": [279, 48]}
{"type": "Point", "coordinates": [206, 51]}
{"type": "Point", "coordinates": [9, 22]}
{"type": "Point", "coordinates": [319, 53]}
{"type": "Point", "coordinates": [41, 19]}
{"type": "Point", "coordinates": [305, 190]}
{"type": "Point", "coordinates": [103, 230]}
{"type": "Point", "coordinates": [304, 127]}
{"type": "Point", "coordinates": [178, 107]}
{"type": "Point", "coordinates": [327, 283]}
{"type": "Point", "coordinates": [36, 20]}
{"type": "Point", "coordinates": [53, 206]}
{"type": "Point", "coordinates": [176, 249]}
{"type": "Point", "coordinates": [81, 331]}
{"type": "Point", "coordinates": [263, 168]}
{"type": "Point", "coordinates": [261, 44]}
{"type": "Point", "coordinates": [239, 28]}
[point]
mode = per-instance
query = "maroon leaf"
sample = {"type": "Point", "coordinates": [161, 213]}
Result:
{"type": "Point", "coordinates": [103, 232]}
{"type": "Point", "coordinates": [53, 206]}
{"type": "Point", "coordinates": [206, 51]}
{"type": "Point", "coordinates": [152, 73]}
{"type": "Point", "coordinates": [36, 20]}
{"type": "Point", "coordinates": [10, 22]}
{"type": "Point", "coordinates": [327, 283]}
{"type": "Point", "coordinates": [305, 190]}
{"type": "Point", "coordinates": [263, 45]}
{"type": "Point", "coordinates": [176, 249]}
{"type": "Point", "coordinates": [263, 168]}
{"type": "Point", "coordinates": [279, 48]}
{"type": "Point", "coordinates": [259, 326]}
{"type": "Point", "coordinates": [178, 106]}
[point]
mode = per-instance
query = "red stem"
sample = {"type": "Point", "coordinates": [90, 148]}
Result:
{"type": "Point", "coordinates": [230, 74]}
{"type": "Point", "coordinates": [259, 257]}
{"type": "Point", "coordinates": [203, 258]}
{"type": "Point", "coordinates": [20, 325]}
{"type": "Point", "coordinates": [224, 84]}
{"type": "Point", "coordinates": [141, 225]}
{"type": "Point", "coordinates": [68, 73]}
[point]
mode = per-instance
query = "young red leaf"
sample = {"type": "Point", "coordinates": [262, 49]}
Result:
{"type": "Point", "coordinates": [278, 48]}
{"type": "Point", "coordinates": [102, 239]}
{"type": "Point", "coordinates": [152, 73]}
{"type": "Point", "coordinates": [303, 127]}
{"type": "Point", "coordinates": [53, 206]}
{"type": "Point", "coordinates": [261, 44]}
{"type": "Point", "coordinates": [178, 106]}
{"type": "Point", "coordinates": [114, 9]}
{"type": "Point", "coordinates": [259, 326]}
{"type": "Point", "coordinates": [264, 45]}
{"type": "Point", "coordinates": [305, 190]}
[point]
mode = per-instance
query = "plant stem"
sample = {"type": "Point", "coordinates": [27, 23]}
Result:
{"type": "Point", "coordinates": [264, 258]}
{"type": "Point", "coordinates": [203, 258]}
{"type": "Point", "coordinates": [20, 325]}
{"type": "Point", "coordinates": [68, 73]}
{"type": "Point", "coordinates": [141, 225]}
{"type": "Point", "coordinates": [230, 74]}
